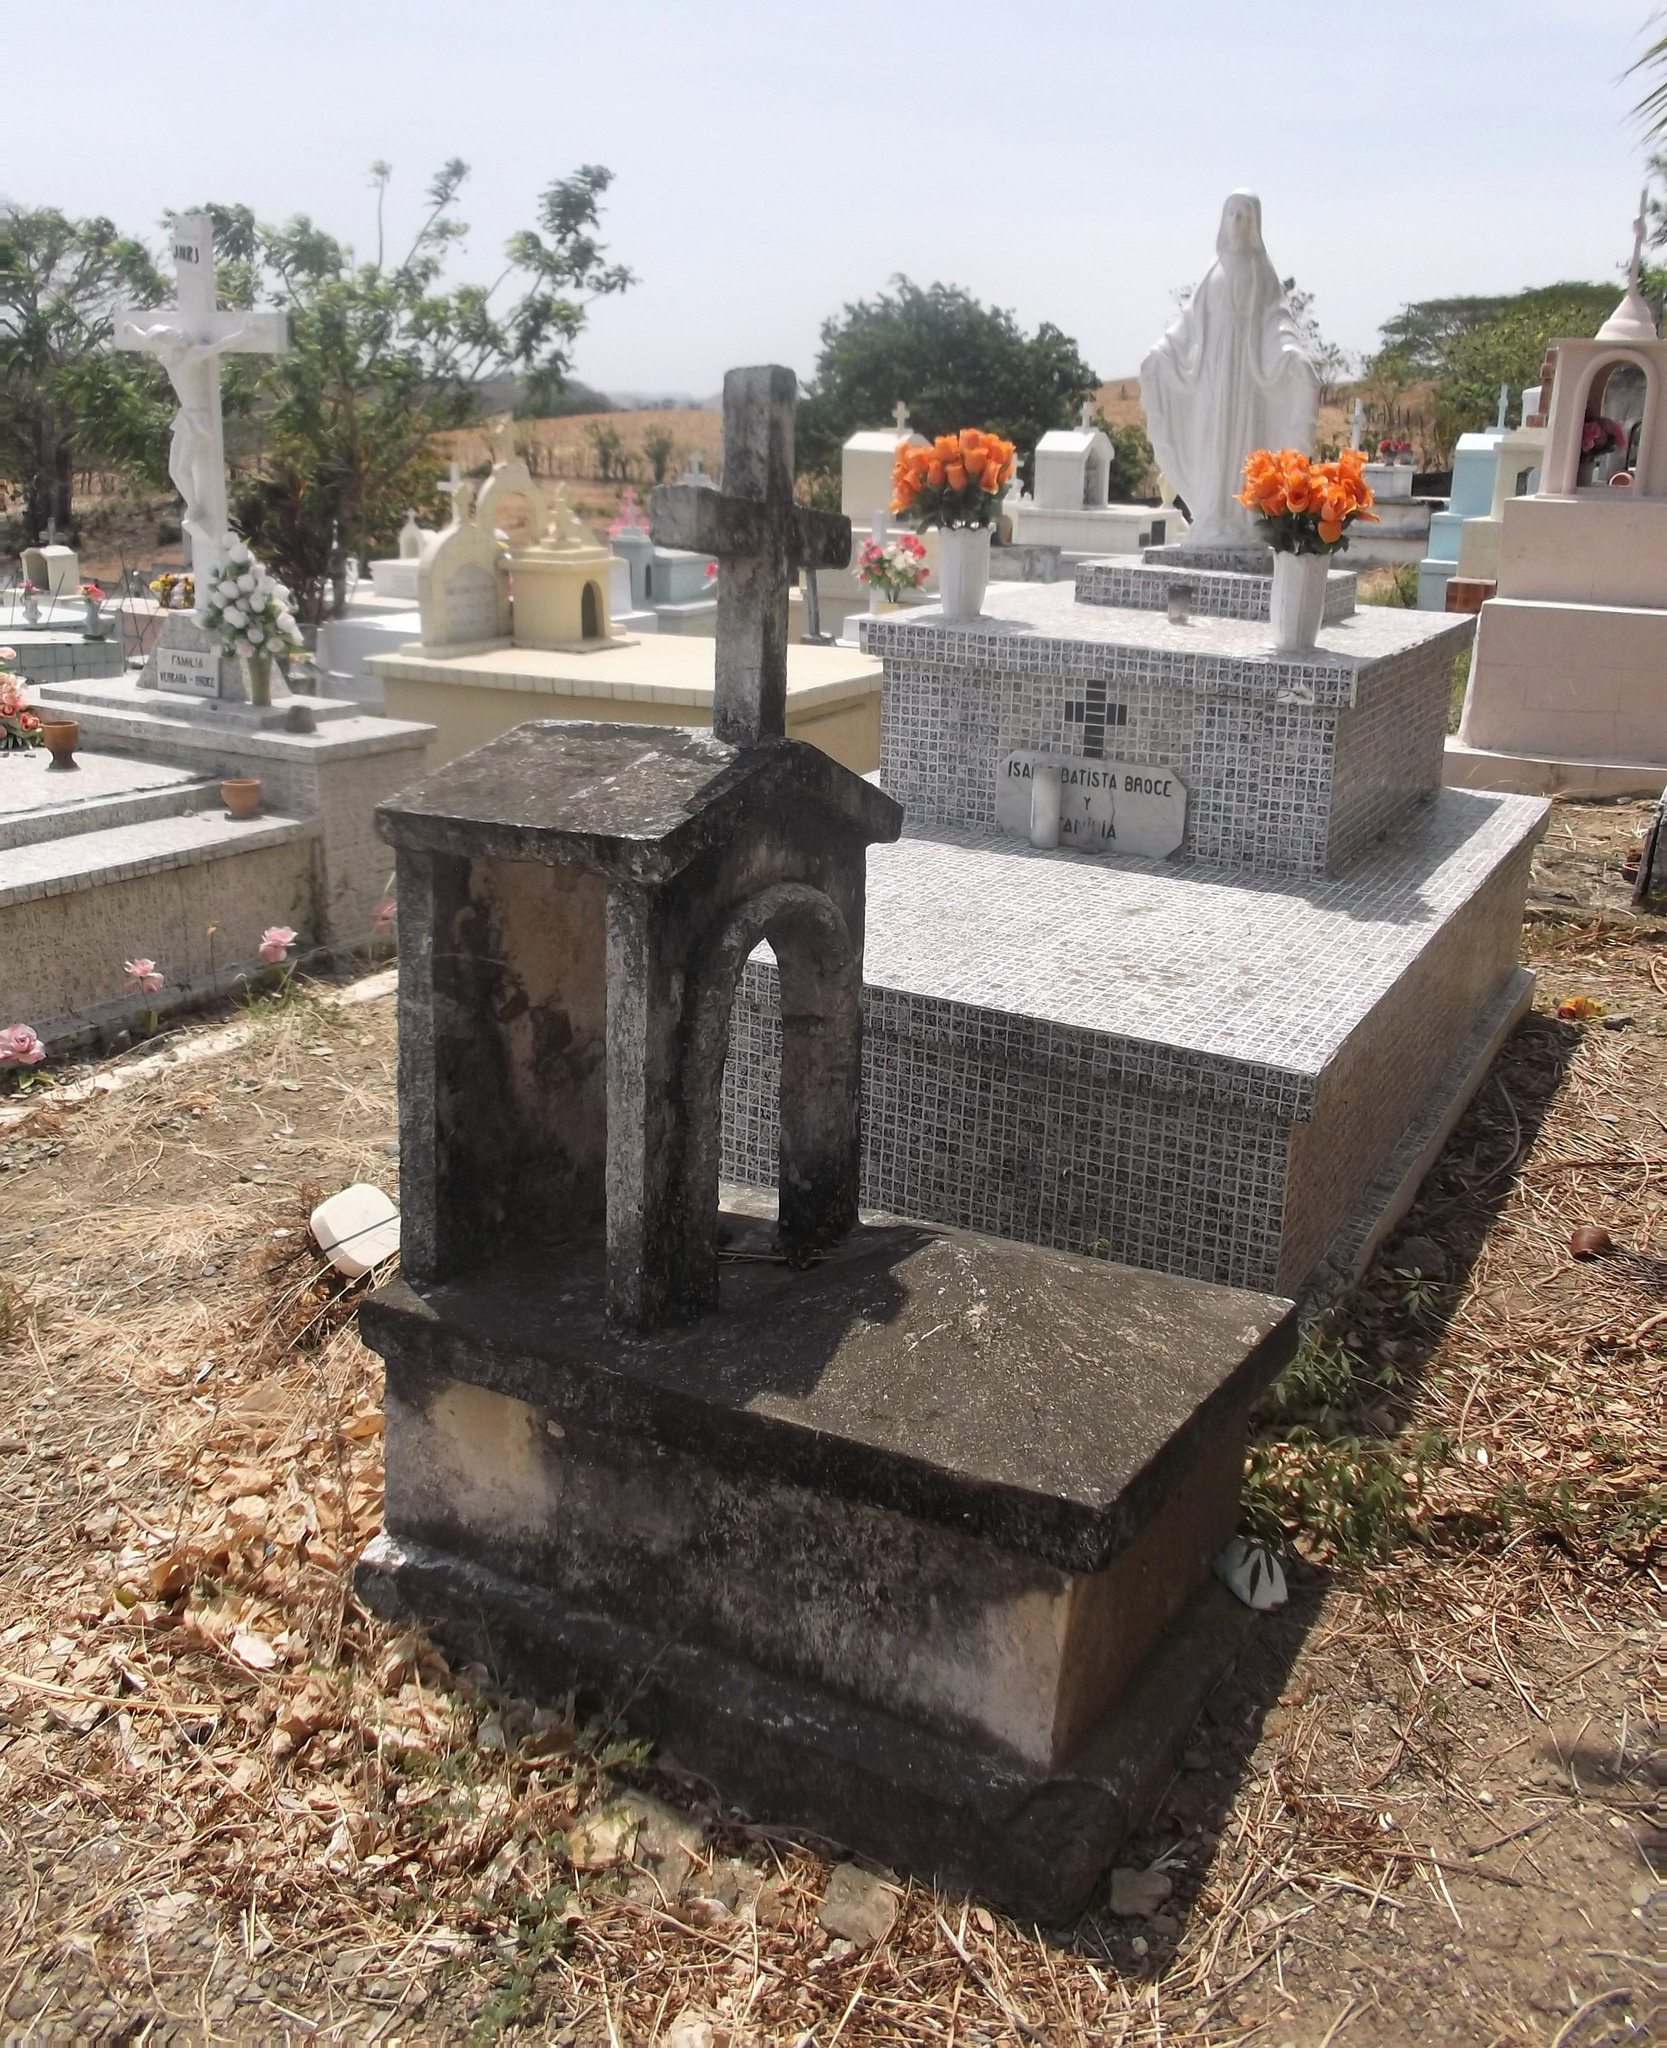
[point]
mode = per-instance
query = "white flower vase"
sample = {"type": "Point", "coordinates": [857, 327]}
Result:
{"type": "Point", "coordinates": [963, 570]}
{"type": "Point", "coordinates": [1297, 600]}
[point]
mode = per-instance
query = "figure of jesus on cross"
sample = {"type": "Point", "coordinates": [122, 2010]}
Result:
{"type": "Point", "coordinates": [189, 340]}
{"type": "Point", "coordinates": [761, 538]}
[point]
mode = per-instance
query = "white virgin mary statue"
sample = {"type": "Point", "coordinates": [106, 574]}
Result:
{"type": "Point", "coordinates": [1228, 376]}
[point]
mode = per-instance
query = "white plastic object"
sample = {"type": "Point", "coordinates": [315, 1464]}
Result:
{"type": "Point", "coordinates": [1251, 1573]}
{"type": "Point", "coordinates": [356, 1229]}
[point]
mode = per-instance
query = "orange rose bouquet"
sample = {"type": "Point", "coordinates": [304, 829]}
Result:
{"type": "Point", "coordinates": [958, 481]}
{"type": "Point", "coordinates": [1304, 507]}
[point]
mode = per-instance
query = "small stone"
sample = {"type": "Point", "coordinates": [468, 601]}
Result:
{"type": "Point", "coordinates": [1139, 1944]}
{"type": "Point", "coordinates": [1421, 1257]}
{"type": "Point", "coordinates": [857, 1906]}
{"type": "Point", "coordinates": [1137, 1893]}
{"type": "Point", "coordinates": [1195, 1759]}
{"type": "Point", "coordinates": [1590, 1241]}
{"type": "Point", "coordinates": [688, 2030]}
{"type": "Point", "coordinates": [1617, 1020]}
{"type": "Point", "coordinates": [1658, 1766]}
{"type": "Point", "coordinates": [1165, 1925]}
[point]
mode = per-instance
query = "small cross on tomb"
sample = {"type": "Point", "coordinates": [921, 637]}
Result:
{"type": "Point", "coordinates": [761, 538]}
{"type": "Point", "coordinates": [452, 488]}
{"type": "Point", "coordinates": [900, 413]}
{"type": "Point", "coordinates": [1085, 419]}
{"type": "Point", "coordinates": [188, 340]}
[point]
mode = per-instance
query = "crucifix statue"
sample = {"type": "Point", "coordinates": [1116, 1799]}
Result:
{"type": "Point", "coordinates": [188, 340]}
{"type": "Point", "coordinates": [761, 538]}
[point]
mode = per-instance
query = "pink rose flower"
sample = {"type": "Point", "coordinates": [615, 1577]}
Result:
{"type": "Point", "coordinates": [19, 1047]}
{"type": "Point", "coordinates": [142, 974]}
{"type": "Point", "coordinates": [275, 942]}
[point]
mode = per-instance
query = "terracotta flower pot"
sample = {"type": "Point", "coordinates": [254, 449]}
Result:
{"type": "Point", "coordinates": [242, 796]}
{"type": "Point", "coordinates": [62, 736]}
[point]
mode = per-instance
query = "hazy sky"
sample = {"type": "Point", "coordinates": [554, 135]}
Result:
{"type": "Point", "coordinates": [1066, 159]}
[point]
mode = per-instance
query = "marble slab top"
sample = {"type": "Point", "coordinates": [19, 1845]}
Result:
{"type": "Point", "coordinates": [1254, 969]}
{"type": "Point", "coordinates": [1027, 625]}
{"type": "Point", "coordinates": [669, 668]}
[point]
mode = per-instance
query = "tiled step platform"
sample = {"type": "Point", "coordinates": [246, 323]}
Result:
{"type": "Point", "coordinates": [1214, 593]}
{"type": "Point", "coordinates": [40, 802]}
{"type": "Point", "coordinates": [1203, 1073]}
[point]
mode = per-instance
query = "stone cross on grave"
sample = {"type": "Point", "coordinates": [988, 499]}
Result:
{"type": "Point", "coordinates": [452, 488]}
{"type": "Point", "coordinates": [761, 538]}
{"type": "Point", "coordinates": [188, 339]}
{"type": "Point", "coordinates": [900, 413]}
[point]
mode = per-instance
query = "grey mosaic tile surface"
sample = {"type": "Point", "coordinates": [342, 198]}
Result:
{"type": "Point", "coordinates": [1116, 1056]}
{"type": "Point", "coordinates": [1255, 739]}
{"type": "Point", "coordinates": [1145, 586]}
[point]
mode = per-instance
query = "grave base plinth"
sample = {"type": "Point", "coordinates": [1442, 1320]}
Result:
{"type": "Point", "coordinates": [912, 1549]}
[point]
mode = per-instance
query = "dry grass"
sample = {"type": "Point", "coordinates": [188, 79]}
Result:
{"type": "Point", "coordinates": [233, 1806]}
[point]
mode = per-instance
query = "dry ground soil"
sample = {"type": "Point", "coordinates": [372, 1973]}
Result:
{"type": "Point", "coordinates": [1426, 1807]}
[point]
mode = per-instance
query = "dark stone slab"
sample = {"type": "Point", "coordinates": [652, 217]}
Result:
{"type": "Point", "coordinates": [631, 802]}
{"type": "Point", "coordinates": [1044, 1403]}
{"type": "Point", "coordinates": [1033, 1840]}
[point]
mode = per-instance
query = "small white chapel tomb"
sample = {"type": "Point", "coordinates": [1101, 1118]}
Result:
{"type": "Point", "coordinates": [1517, 465]}
{"type": "Point", "coordinates": [54, 570]}
{"type": "Point", "coordinates": [521, 629]}
{"type": "Point", "coordinates": [866, 462]}
{"type": "Point", "coordinates": [1229, 375]}
{"type": "Point", "coordinates": [1070, 507]}
{"type": "Point", "coordinates": [1568, 685]}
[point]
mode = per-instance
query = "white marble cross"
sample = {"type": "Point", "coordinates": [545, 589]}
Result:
{"type": "Point", "coordinates": [188, 340]}
{"type": "Point", "coordinates": [900, 413]}
{"type": "Point", "coordinates": [1357, 423]}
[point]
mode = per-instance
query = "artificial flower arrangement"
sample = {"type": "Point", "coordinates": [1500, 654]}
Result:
{"type": "Point", "coordinates": [93, 590]}
{"type": "Point", "coordinates": [1598, 436]}
{"type": "Point", "coordinates": [174, 593]}
{"type": "Point", "coordinates": [897, 566]}
{"type": "Point", "coordinates": [19, 726]}
{"type": "Point", "coordinates": [1394, 451]}
{"type": "Point", "coordinates": [248, 613]}
{"type": "Point", "coordinates": [956, 482]}
{"type": "Point", "coordinates": [1304, 507]}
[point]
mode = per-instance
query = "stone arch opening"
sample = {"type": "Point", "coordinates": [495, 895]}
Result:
{"type": "Point", "coordinates": [1618, 388]}
{"type": "Point", "coordinates": [590, 613]}
{"type": "Point", "coordinates": [818, 1155]}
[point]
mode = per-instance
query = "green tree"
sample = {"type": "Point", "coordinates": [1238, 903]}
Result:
{"type": "Point", "coordinates": [659, 445]}
{"type": "Point", "coordinates": [1466, 348]}
{"type": "Point", "coordinates": [332, 441]}
{"type": "Point", "coordinates": [608, 446]}
{"type": "Point", "coordinates": [1331, 362]}
{"type": "Point", "coordinates": [955, 362]}
{"type": "Point", "coordinates": [66, 398]}
{"type": "Point", "coordinates": [1131, 456]}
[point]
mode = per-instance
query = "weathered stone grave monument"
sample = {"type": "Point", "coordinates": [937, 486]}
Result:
{"type": "Point", "coordinates": [1184, 957]}
{"type": "Point", "coordinates": [893, 1531]}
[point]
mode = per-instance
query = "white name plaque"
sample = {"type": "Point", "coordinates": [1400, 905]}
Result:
{"type": "Point", "coordinates": [188, 668]}
{"type": "Point", "coordinates": [1102, 806]}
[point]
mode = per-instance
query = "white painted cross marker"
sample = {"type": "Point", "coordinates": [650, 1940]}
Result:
{"type": "Point", "coordinates": [188, 340]}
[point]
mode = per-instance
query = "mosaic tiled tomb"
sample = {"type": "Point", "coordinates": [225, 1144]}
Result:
{"type": "Point", "coordinates": [1199, 1075]}
{"type": "Point", "coordinates": [1293, 765]}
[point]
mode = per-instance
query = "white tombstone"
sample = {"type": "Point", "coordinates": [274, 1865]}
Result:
{"type": "Point", "coordinates": [463, 590]}
{"type": "Point", "coordinates": [865, 465]}
{"type": "Point", "coordinates": [188, 340]}
{"type": "Point", "coordinates": [55, 571]}
{"type": "Point", "coordinates": [410, 539]}
{"type": "Point", "coordinates": [1073, 466]}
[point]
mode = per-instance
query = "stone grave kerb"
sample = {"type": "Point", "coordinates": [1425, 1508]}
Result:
{"type": "Point", "coordinates": [761, 538]}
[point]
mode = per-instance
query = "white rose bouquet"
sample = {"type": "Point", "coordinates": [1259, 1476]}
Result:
{"type": "Point", "coordinates": [247, 611]}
